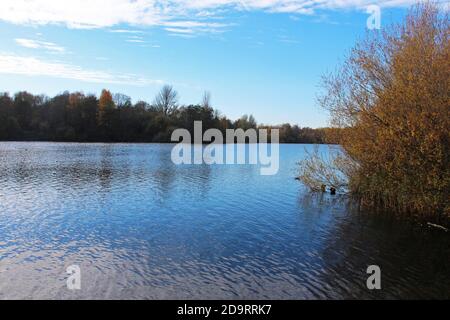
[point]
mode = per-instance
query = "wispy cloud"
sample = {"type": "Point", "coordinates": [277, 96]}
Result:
{"type": "Point", "coordinates": [37, 44]}
{"type": "Point", "coordinates": [135, 41]}
{"type": "Point", "coordinates": [126, 31]}
{"type": "Point", "coordinates": [166, 14]}
{"type": "Point", "coordinates": [184, 27]}
{"type": "Point", "coordinates": [31, 66]}
{"type": "Point", "coordinates": [180, 30]}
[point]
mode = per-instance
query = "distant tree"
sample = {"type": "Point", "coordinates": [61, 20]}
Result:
{"type": "Point", "coordinates": [142, 105]}
{"type": "Point", "coordinates": [73, 113]}
{"type": "Point", "coordinates": [246, 122]}
{"type": "Point", "coordinates": [9, 126]}
{"type": "Point", "coordinates": [106, 114]}
{"type": "Point", "coordinates": [252, 122]}
{"type": "Point", "coordinates": [166, 100]}
{"type": "Point", "coordinates": [88, 110]}
{"type": "Point", "coordinates": [122, 100]}
{"type": "Point", "coordinates": [56, 116]}
{"type": "Point", "coordinates": [105, 103]}
{"type": "Point", "coordinates": [23, 105]}
{"type": "Point", "coordinates": [206, 101]}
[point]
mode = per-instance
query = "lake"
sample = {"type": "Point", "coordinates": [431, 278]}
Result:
{"type": "Point", "coordinates": [140, 227]}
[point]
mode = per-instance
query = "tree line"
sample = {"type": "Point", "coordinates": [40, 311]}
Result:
{"type": "Point", "coordinates": [77, 117]}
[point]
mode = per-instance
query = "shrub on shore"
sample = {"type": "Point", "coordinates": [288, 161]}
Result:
{"type": "Point", "coordinates": [391, 100]}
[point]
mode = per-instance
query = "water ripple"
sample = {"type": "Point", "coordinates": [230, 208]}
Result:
{"type": "Point", "coordinates": [142, 228]}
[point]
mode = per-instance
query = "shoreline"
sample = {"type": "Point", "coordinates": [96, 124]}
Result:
{"type": "Point", "coordinates": [143, 142]}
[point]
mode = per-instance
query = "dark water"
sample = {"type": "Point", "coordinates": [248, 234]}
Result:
{"type": "Point", "coordinates": [140, 227]}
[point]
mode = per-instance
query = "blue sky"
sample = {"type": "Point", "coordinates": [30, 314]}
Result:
{"type": "Point", "coordinates": [260, 57]}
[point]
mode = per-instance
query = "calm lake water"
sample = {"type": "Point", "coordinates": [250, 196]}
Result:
{"type": "Point", "coordinates": [140, 227]}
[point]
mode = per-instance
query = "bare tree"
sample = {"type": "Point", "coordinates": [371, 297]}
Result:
{"type": "Point", "coordinates": [206, 101]}
{"type": "Point", "coordinates": [166, 100]}
{"type": "Point", "coordinates": [121, 100]}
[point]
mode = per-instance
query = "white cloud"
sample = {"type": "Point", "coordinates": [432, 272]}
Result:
{"type": "Point", "coordinates": [36, 44]}
{"type": "Point", "coordinates": [80, 13]}
{"type": "Point", "coordinates": [110, 13]}
{"type": "Point", "coordinates": [135, 41]}
{"type": "Point", "coordinates": [127, 31]}
{"type": "Point", "coordinates": [180, 30]}
{"type": "Point", "coordinates": [31, 66]}
{"type": "Point", "coordinates": [183, 27]}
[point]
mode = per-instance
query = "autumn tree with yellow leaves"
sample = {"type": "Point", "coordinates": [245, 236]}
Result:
{"type": "Point", "coordinates": [105, 106]}
{"type": "Point", "coordinates": [106, 115]}
{"type": "Point", "coordinates": [391, 99]}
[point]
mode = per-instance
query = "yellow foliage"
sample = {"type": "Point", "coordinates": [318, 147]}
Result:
{"type": "Point", "coordinates": [392, 99]}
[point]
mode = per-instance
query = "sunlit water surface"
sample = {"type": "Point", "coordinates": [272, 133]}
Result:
{"type": "Point", "coordinates": [140, 227]}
